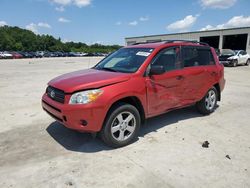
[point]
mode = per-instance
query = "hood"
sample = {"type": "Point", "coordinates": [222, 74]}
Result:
{"type": "Point", "coordinates": [229, 55]}
{"type": "Point", "coordinates": [87, 79]}
{"type": "Point", "coordinates": [224, 57]}
{"type": "Point", "coordinates": [233, 57]}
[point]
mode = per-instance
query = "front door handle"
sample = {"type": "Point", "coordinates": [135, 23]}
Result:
{"type": "Point", "coordinates": [180, 77]}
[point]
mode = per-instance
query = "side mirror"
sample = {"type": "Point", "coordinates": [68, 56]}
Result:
{"type": "Point", "coordinates": [156, 70]}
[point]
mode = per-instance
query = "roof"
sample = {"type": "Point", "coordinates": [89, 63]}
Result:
{"type": "Point", "coordinates": [236, 28]}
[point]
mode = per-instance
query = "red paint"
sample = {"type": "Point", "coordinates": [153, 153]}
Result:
{"type": "Point", "coordinates": [16, 55]}
{"type": "Point", "coordinates": [157, 94]}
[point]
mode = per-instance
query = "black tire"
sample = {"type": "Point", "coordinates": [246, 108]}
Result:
{"type": "Point", "coordinates": [248, 62]}
{"type": "Point", "coordinates": [112, 117]}
{"type": "Point", "coordinates": [203, 106]}
{"type": "Point", "coordinates": [235, 63]}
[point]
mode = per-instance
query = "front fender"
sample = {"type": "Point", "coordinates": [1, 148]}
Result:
{"type": "Point", "coordinates": [132, 88]}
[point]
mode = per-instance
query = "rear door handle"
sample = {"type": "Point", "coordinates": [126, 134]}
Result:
{"type": "Point", "coordinates": [213, 73]}
{"type": "Point", "coordinates": [179, 77]}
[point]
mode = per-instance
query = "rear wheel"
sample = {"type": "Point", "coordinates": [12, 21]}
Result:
{"type": "Point", "coordinates": [248, 62]}
{"type": "Point", "coordinates": [208, 103]}
{"type": "Point", "coordinates": [121, 126]}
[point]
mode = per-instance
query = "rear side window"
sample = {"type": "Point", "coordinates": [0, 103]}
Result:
{"type": "Point", "coordinates": [189, 56]}
{"type": "Point", "coordinates": [197, 56]}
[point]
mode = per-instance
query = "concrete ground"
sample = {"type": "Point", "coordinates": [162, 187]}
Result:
{"type": "Point", "coordinates": [36, 151]}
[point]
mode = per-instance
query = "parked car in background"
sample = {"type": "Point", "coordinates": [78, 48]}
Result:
{"type": "Point", "coordinates": [81, 54]}
{"type": "Point", "coordinates": [58, 54]}
{"type": "Point", "coordinates": [6, 55]}
{"type": "Point", "coordinates": [16, 55]}
{"type": "Point", "coordinates": [241, 57]}
{"type": "Point", "coordinates": [234, 58]}
{"type": "Point", "coordinates": [1, 55]}
{"type": "Point", "coordinates": [39, 53]}
{"type": "Point", "coordinates": [89, 54]}
{"type": "Point", "coordinates": [26, 54]}
{"type": "Point", "coordinates": [105, 54]}
{"type": "Point", "coordinates": [65, 54]}
{"type": "Point", "coordinates": [134, 83]}
{"type": "Point", "coordinates": [72, 54]}
{"type": "Point", "coordinates": [49, 54]}
{"type": "Point", "coordinates": [224, 55]}
{"type": "Point", "coordinates": [34, 55]}
{"type": "Point", "coordinates": [98, 54]}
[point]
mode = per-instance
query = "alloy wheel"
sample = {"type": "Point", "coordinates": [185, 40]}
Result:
{"type": "Point", "coordinates": [235, 63]}
{"type": "Point", "coordinates": [248, 61]}
{"type": "Point", "coordinates": [123, 126]}
{"type": "Point", "coordinates": [210, 100]}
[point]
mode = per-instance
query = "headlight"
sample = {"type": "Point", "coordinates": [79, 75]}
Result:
{"type": "Point", "coordinates": [232, 58]}
{"type": "Point", "coordinates": [85, 97]}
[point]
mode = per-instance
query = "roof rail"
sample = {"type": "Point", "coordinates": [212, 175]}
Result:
{"type": "Point", "coordinates": [171, 41]}
{"type": "Point", "coordinates": [143, 43]}
{"type": "Point", "coordinates": [191, 41]}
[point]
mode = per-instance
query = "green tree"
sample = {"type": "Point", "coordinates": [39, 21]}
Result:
{"type": "Point", "coordinates": [17, 39]}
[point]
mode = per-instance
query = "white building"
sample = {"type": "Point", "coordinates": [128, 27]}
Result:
{"type": "Point", "coordinates": [234, 38]}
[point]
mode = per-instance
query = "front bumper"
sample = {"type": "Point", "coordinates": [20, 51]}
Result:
{"type": "Point", "coordinates": [84, 118]}
{"type": "Point", "coordinates": [227, 62]}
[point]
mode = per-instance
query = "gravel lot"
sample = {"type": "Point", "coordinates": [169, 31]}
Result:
{"type": "Point", "coordinates": [35, 151]}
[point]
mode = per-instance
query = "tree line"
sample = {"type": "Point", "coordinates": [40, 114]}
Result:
{"type": "Point", "coordinates": [18, 39]}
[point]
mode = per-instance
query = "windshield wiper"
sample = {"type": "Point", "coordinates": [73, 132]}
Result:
{"type": "Point", "coordinates": [108, 69]}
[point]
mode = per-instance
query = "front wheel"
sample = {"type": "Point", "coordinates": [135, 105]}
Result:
{"type": "Point", "coordinates": [248, 62]}
{"type": "Point", "coordinates": [121, 126]}
{"type": "Point", "coordinates": [208, 103]}
{"type": "Point", "coordinates": [235, 63]}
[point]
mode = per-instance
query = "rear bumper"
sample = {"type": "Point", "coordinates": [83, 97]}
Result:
{"type": "Point", "coordinates": [222, 83]}
{"type": "Point", "coordinates": [84, 118]}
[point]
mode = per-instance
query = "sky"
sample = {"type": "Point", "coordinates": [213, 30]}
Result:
{"type": "Point", "coordinates": [110, 21]}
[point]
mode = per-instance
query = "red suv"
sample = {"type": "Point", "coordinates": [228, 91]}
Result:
{"type": "Point", "coordinates": [135, 83]}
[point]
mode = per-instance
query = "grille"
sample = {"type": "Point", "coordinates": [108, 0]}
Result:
{"type": "Point", "coordinates": [58, 110]}
{"type": "Point", "coordinates": [52, 115]}
{"type": "Point", "coordinates": [55, 94]}
{"type": "Point", "coordinates": [223, 58]}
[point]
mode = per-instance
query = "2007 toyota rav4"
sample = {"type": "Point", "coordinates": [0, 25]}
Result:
{"type": "Point", "coordinates": [135, 83]}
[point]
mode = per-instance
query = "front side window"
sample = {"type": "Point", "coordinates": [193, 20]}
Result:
{"type": "Point", "coordinates": [237, 52]}
{"type": "Point", "coordinates": [169, 59]}
{"type": "Point", "coordinates": [243, 52]}
{"type": "Point", "coordinates": [127, 60]}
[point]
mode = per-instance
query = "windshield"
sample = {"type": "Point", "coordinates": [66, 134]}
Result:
{"type": "Point", "coordinates": [236, 52]}
{"type": "Point", "coordinates": [127, 60]}
{"type": "Point", "coordinates": [227, 52]}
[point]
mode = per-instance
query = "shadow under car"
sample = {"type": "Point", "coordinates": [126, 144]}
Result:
{"type": "Point", "coordinates": [85, 142]}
